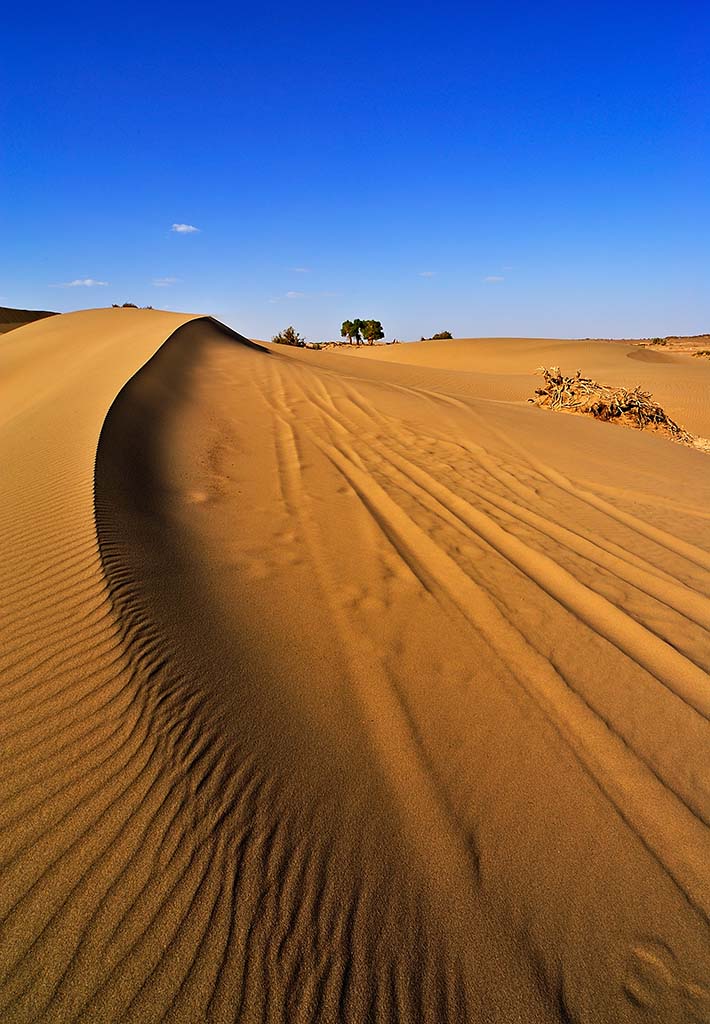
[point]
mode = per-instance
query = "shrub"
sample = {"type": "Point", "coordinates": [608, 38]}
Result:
{"type": "Point", "coordinates": [659, 341]}
{"type": "Point", "coordinates": [442, 336]}
{"type": "Point", "coordinates": [289, 336]}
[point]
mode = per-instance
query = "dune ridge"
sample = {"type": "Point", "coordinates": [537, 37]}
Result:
{"type": "Point", "coordinates": [342, 691]}
{"type": "Point", "coordinates": [11, 319]}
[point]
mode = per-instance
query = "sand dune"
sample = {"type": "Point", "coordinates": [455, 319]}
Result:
{"type": "Point", "coordinates": [347, 689]}
{"type": "Point", "coordinates": [10, 319]}
{"type": "Point", "coordinates": [677, 380]}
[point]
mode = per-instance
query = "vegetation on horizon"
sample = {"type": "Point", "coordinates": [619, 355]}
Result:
{"type": "Point", "coordinates": [289, 336]}
{"type": "Point", "coordinates": [361, 331]}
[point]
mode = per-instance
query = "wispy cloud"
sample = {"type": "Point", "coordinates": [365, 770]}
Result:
{"type": "Point", "coordinates": [427, 273]}
{"type": "Point", "coordinates": [184, 229]}
{"type": "Point", "coordinates": [288, 295]}
{"type": "Point", "coordinates": [81, 282]}
{"type": "Point", "coordinates": [164, 282]}
{"type": "Point", "coordinates": [493, 279]}
{"type": "Point", "coordinates": [302, 295]}
{"type": "Point", "coordinates": [301, 270]}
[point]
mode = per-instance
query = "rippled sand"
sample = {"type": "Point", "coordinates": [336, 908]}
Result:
{"type": "Point", "coordinates": [347, 689]}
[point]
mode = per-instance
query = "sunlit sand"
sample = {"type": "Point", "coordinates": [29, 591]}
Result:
{"type": "Point", "coordinates": [348, 685]}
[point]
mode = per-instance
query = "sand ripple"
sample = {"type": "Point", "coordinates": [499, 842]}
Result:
{"type": "Point", "coordinates": [334, 691]}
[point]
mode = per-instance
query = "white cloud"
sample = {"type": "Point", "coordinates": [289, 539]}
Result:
{"type": "Point", "coordinates": [493, 279]}
{"type": "Point", "coordinates": [288, 295]}
{"type": "Point", "coordinates": [427, 273]}
{"type": "Point", "coordinates": [301, 270]}
{"type": "Point", "coordinates": [164, 282]}
{"type": "Point", "coordinates": [184, 229]}
{"type": "Point", "coordinates": [82, 282]}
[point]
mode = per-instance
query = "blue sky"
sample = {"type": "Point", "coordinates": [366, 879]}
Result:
{"type": "Point", "coordinates": [524, 169]}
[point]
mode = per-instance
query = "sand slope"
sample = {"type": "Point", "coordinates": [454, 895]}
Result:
{"type": "Point", "coordinates": [340, 690]}
{"type": "Point", "coordinates": [11, 319]}
{"type": "Point", "coordinates": [678, 381]}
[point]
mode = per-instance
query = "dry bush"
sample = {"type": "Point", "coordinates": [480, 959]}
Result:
{"type": "Point", "coordinates": [635, 408]}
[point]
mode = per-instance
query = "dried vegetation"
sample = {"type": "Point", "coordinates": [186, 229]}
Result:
{"type": "Point", "coordinates": [632, 408]}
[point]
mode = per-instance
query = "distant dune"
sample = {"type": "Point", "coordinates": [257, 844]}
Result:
{"type": "Point", "coordinates": [12, 318]}
{"type": "Point", "coordinates": [504, 366]}
{"type": "Point", "coordinates": [347, 687]}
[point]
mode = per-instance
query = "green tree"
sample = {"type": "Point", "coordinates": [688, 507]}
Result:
{"type": "Point", "coordinates": [289, 336]}
{"type": "Point", "coordinates": [348, 330]}
{"type": "Point", "coordinates": [441, 336]}
{"type": "Point", "coordinates": [358, 328]}
{"type": "Point", "coordinates": [372, 331]}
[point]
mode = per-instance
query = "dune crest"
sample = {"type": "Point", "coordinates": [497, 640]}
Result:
{"type": "Point", "coordinates": [342, 689]}
{"type": "Point", "coordinates": [11, 319]}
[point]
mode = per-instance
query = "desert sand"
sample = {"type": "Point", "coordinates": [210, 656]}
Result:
{"type": "Point", "coordinates": [347, 687]}
{"type": "Point", "coordinates": [10, 319]}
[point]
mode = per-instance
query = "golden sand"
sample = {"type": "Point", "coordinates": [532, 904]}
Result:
{"type": "Point", "coordinates": [347, 687]}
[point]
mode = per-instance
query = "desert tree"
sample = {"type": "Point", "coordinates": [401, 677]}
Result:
{"type": "Point", "coordinates": [348, 330]}
{"type": "Point", "coordinates": [372, 331]}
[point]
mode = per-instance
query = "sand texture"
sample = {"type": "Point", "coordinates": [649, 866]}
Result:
{"type": "Point", "coordinates": [347, 687]}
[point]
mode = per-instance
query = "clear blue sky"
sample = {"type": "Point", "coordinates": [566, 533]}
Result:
{"type": "Point", "coordinates": [520, 168]}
